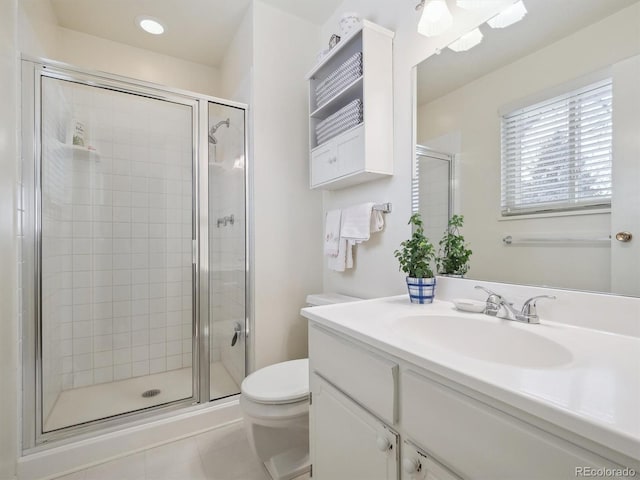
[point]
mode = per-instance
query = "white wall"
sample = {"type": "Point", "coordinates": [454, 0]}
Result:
{"type": "Point", "coordinates": [9, 378]}
{"type": "Point", "coordinates": [235, 69]}
{"type": "Point", "coordinates": [287, 230]}
{"type": "Point", "coordinates": [376, 270]}
{"type": "Point", "coordinates": [40, 36]}
{"type": "Point", "coordinates": [471, 111]}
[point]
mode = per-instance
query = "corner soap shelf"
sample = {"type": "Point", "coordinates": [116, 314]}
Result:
{"type": "Point", "coordinates": [79, 152]}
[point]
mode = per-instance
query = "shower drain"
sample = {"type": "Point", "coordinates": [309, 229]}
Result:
{"type": "Point", "coordinates": [151, 393]}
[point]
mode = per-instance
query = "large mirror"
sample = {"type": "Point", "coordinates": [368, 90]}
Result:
{"type": "Point", "coordinates": [541, 123]}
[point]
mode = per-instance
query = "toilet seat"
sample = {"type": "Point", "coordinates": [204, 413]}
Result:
{"type": "Point", "coordinates": [279, 384]}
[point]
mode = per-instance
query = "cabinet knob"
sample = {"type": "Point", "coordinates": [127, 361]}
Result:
{"type": "Point", "coordinates": [624, 236]}
{"type": "Point", "coordinates": [383, 444]}
{"type": "Point", "coordinates": [411, 465]}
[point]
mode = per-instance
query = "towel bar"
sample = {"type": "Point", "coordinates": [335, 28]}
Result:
{"type": "Point", "coordinates": [383, 207]}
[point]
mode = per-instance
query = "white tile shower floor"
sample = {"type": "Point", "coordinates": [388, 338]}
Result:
{"type": "Point", "coordinates": [220, 454]}
{"type": "Point", "coordinates": [84, 404]}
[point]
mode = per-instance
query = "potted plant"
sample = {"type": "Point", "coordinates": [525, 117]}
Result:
{"type": "Point", "coordinates": [453, 255]}
{"type": "Point", "coordinates": [415, 256]}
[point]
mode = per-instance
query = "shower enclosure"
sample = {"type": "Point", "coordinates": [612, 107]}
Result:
{"type": "Point", "coordinates": [134, 250]}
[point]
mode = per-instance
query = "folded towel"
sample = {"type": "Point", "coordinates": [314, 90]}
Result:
{"type": "Point", "coordinates": [332, 232]}
{"type": "Point", "coordinates": [356, 222]}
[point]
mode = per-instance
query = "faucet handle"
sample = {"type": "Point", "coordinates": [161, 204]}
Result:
{"type": "Point", "coordinates": [493, 303]}
{"type": "Point", "coordinates": [490, 292]}
{"type": "Point", "coordinates": [529, 308]}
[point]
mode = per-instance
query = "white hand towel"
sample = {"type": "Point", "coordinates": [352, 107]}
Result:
{"type": "Point", "coordinates": [377, 221]}
{"type": "Point", "coordinates": [356, 222]}
{"type": "Point", "coordinates": [332, 232]}
{"type": "Point", "coordinates": [344, 259]}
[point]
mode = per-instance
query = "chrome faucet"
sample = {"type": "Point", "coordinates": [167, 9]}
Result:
{"type": "Point", "coordinates": [497, 306]}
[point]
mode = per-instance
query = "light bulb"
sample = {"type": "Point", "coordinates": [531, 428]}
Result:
{"type": "Point", "coordinates": [509, 16]}
{"type": "Point", "coordinates": [478, 4]}
{"type": "Point", "coordinates": [467, 41]}
{"type": "Point", "coordinates": [435, 19]}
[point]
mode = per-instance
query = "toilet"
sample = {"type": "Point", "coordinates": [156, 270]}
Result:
{"type": "Point", "coordinates": [275, 406]}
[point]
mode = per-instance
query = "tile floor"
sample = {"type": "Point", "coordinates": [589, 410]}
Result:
{"type": "Point", "coordinates": [221, 454]}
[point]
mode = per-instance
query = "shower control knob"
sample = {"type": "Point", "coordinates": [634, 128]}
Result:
{"type": "Point", "coordinates": [411, 465]}
{"type": "Point", "coordinates": [383, 444]}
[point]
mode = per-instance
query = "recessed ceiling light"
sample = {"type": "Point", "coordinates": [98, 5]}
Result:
{"type": "Point", "coordinates": [150, 25]}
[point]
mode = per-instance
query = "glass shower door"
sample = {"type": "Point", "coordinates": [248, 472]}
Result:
{"type": "Point", "coordinates": [116, 217]}
{"type": "Point", "coordinates": [227, 249]}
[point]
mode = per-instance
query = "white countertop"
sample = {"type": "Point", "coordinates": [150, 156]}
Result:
{"type": "Point", "coordinates": [596, 394]}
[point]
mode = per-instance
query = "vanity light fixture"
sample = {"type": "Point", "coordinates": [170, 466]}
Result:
{"type": "Point", "coordinates": [467, 41]}
{"type": "Point", "coordinates": [509, 15]}
{"type": "Point", "coordinates": [436, 18]}
{"type": "Point", "coordinates": [150, 25]}
{"type": "Point", "coordinates": [478, 4]}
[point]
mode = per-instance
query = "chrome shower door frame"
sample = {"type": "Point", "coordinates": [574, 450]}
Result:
{"type": "Point", "coordinates": [33, 70]}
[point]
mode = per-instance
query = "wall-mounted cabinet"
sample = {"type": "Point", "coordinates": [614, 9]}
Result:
{"type": "Point", "coordinates": [351, 111]}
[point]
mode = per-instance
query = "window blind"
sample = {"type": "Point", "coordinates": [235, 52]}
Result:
{"type": "Point", "coordinates": [557, 154]}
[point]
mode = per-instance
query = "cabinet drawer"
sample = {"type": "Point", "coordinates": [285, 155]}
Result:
{"type": "Point", "coordinates": [483, 442]}
{"type": "Point", "coordinates": [366, 376]}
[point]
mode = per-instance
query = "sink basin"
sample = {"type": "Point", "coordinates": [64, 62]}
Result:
{"type": "Point", "coordinates": [498, 342]}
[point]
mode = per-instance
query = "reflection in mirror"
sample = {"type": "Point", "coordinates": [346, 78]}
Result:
{"type": "Point", "coordinates": [432, 180]}
{"type": "Point", "coordinates": [542, 121]}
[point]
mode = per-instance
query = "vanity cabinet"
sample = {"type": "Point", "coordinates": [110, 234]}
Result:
{"type": "Point", "coordinates": [417, 465]}
{"type": "Point", "coordinates": [348, 442]}
{"type": "Point", "coordinates": [364, 401]}
{"type": "Point", "coordinates": [482, 441]}
{"type": "Point", "coordinates": [361, 151]}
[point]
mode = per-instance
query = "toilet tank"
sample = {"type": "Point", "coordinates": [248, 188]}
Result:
{"type": "Point", "coordinates": [317, 299]}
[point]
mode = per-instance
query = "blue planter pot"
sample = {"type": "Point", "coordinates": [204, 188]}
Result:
{"type": "Point", "coordinates": [421, 290]}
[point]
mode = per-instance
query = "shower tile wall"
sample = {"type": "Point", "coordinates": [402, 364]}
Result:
{"type": "Point", "coordinates": [227, 243]}
{"type": "Point", "coordinates": [434, 197]}
{"type": "Point", "coordinates": [117, 299]}
{"type": "Point", "coordinates": [57, 281]}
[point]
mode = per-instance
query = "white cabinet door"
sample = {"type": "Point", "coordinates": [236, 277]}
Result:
{"type": "Point", "coordinates": [468, 434]}
{"type": "Point", "coordinates": [625, 204]}
{"type": "Point", "coordinates": [347, 442]}
{"type": "Point", "coordinates": [417, 465]}
{"type": "Point", "coordinates": [350, 151]}
{"type": "Point", "coordinates": [324, 164]}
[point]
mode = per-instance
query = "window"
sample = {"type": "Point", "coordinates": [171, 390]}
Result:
{"type": "Point", "coordinates": [556, 154]}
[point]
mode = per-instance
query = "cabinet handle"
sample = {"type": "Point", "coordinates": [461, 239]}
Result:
{"type": "Point", "coordinates": [383, 444]}
{"type": "Point", "coordinates": [411, 465]}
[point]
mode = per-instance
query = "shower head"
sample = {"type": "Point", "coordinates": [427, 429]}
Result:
{"type": "Point", "coordinates": [212, 138]}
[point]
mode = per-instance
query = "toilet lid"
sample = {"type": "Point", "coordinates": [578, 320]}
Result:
{"type": "Point", "coordinates": [284, 382]}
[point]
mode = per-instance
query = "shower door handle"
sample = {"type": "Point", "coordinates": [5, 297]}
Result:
{"type": "Point", "coordinates": [236, 333]}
